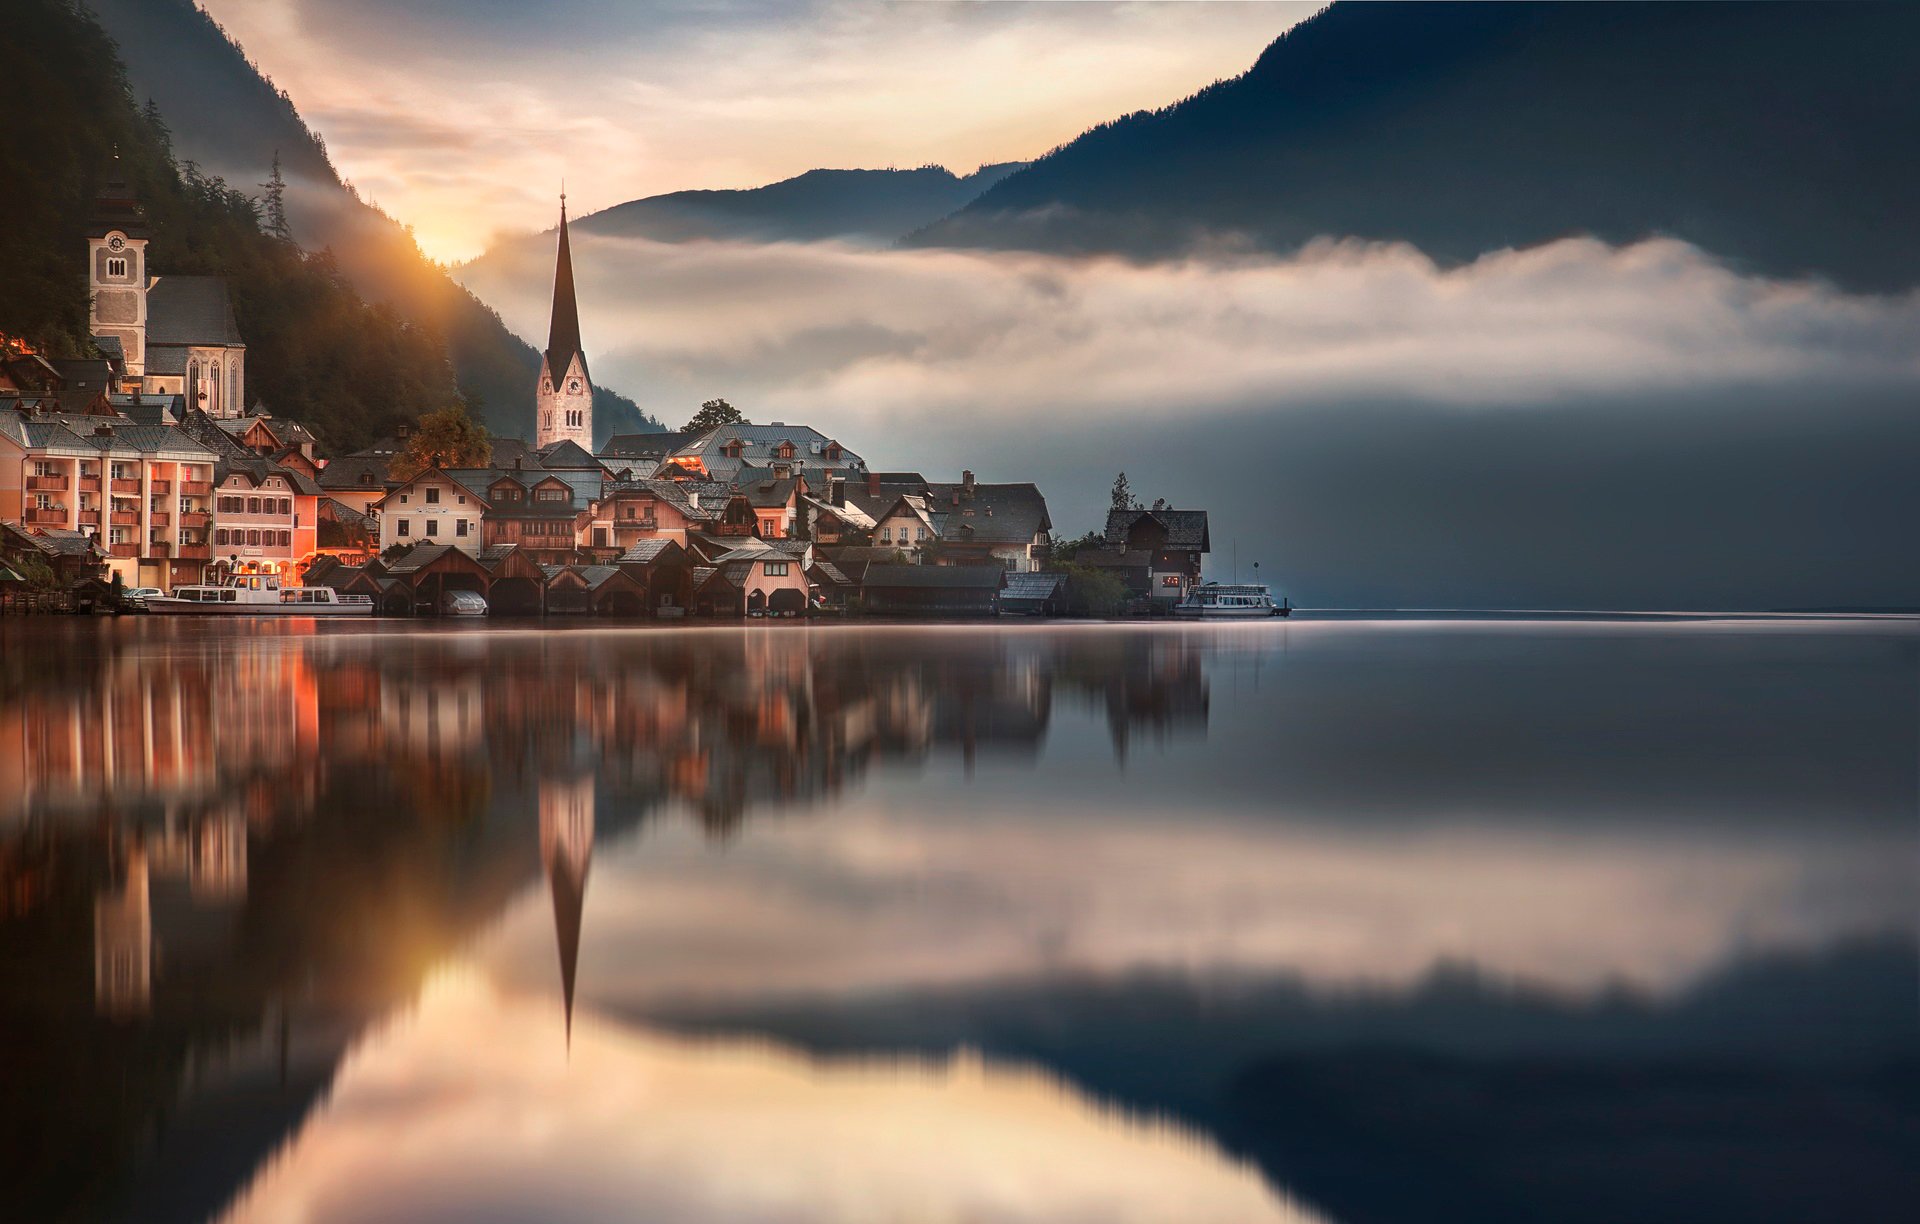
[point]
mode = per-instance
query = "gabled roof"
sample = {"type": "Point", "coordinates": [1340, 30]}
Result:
{"type": "Point", "coordinates": [353, 472]}
{"type": "Point", "coordinates": [1036, 586]}
{"type": "Point", "coordinates": [645, 445]}
{"type": "Point", "coordinates": [567, 453]}
{"type": "Point", "coordinates": [991, 513]}
{"type": "Point", "coordinates": [189, 310]}
{"type": "Point", "coordinates": [257, 470]}
{"type": "Point", "coordinates": [512, 453]}
{"type": "Point", "coordinates": [850, 514]}
{"type": "Point", "coordinates": [646, 552]}
{"type": "Point", "coordinates": [1186, 529]}
{"type": "Point", "coordinates": [770, 493]}
{"type": "Point", "coordinates": [422, 555]}
{"type": "Point", "coordinates": [212, 434]}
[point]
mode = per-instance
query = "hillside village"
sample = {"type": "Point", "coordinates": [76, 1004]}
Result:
{"type": "Point", "coordinates": [147, 467]}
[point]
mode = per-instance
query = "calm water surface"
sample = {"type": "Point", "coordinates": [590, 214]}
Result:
{"type": "Point", "coordinates": [1346, 921]}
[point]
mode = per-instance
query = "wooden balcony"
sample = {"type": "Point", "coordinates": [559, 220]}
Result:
{"type": "Point", "coordinates": [160, 486]}
{"type": "Point", "coordinates": [194, 552]}
{"type": "Point", "coordinates": [89, 518]}
{"type": "Point", "coordinates": [157, 519]}
{"type": "Point", "coordinates": [158, 548]}
{"type": "Point", "coordinates": [123, 550]}
{"type": "Point", "coordinates": [55, 516]}
{"type": "Point", "coordinates": [125, 518]}
{"type": "Point", "coordinates": [194, 518]}
{"type": "Point", "coordinates": [89, 484]}
{"type": "Point", "coordinates": [46, 484]}
{"type": "Point", "coordinates": [126, 486]}
{"type": "Point", "coordinates": [196, 488]}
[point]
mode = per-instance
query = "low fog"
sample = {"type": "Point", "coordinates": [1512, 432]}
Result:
{"type": "Point", "coordinates": [1566, 426]}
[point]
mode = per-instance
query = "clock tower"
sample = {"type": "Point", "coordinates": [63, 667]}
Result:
{"type": "Point", "coordinates": [563, 402]}
{"type": "Point", "coordinates": [117, 270]}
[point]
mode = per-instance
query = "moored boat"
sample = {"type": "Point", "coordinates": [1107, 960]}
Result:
{"type": "Point", "coordinates": [258, 595]}
{"type": "Point", "coordinates": [1230, 601]}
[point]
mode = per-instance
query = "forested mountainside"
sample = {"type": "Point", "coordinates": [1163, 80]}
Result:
{"type": "Point", "coordinates": [316, 350]}
{"type": "Point", "coordinates": [1773, 135]}
{"type": "Point", "coordinates": [226, 116]}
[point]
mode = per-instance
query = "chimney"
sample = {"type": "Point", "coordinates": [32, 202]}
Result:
{"type": "Point", "coordinates": [693, 498]}
{"type": "Point", "coordinates": [966, 485]}
{"type": "Point", "coordinates": [837, 491]}
{"type": "Point", "coordinates": [873, 484]}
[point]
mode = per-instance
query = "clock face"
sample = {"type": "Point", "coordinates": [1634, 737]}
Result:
{"type": "Point", "coordinates": [116, 243]}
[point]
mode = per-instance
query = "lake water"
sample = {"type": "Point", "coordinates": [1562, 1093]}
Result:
{"type": "Point", "coordinates": [1321, 920]}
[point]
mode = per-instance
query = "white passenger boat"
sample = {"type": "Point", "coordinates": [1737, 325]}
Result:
{"type": "Point", "coordinates": [259, 595]}
{"type": "Point", "coordinates": [1211, 600]}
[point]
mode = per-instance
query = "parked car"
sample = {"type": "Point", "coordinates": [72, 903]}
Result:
{"type": "Point", "coordinates": [463, 603]}
{"type": "Point", "coordinates": [138, 596]}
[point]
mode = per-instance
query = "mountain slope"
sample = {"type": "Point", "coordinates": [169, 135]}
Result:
{"type": "Point", "coordinates": [858, 205]}
{"type": "Point", "coordinates": [229, 119]}
{"type": "Point", "coordinates": [316, 350]}
{"type": "Point", "coordinates": [1772, 134]}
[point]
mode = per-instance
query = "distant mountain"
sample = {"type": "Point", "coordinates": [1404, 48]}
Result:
{"type": "Point", "coordinates": [1778, 136]}
{"type": "Point", "coordinates": [227, 117]}
{"type": "Point", "coordinates": [865, 207]}
{"type": "Point", "coordinates": [877, 206]}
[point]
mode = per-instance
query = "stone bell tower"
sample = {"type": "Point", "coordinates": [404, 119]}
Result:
{"type": "Point", "coordinates": [117, 269]}
{"type": "Point", "coordinates": [563, 403]}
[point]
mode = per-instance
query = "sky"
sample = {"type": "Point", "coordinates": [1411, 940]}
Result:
{"type": "Point", "coordinates": [462, 118]}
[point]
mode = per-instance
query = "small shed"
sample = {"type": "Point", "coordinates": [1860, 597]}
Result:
{"type": "Point", "coordinates": [1034, 595]}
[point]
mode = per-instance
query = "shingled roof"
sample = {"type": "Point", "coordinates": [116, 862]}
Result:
{"type": "Point", "coordinates": [1186, 529]}
{"type": "Point", "coordinates": [185, 310]}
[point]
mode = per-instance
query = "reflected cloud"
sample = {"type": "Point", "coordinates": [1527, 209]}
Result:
{"type": "Point", "coordinates": [466, 1110]}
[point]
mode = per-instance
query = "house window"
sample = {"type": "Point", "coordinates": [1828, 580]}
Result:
{"type": "Point", "coordinates": [460, 527]}
{"type": "Point", "coordinates": [403, 499]}
{"type": "Point", "coordinates": [554, 495]}
{"type": "Point", "coordinates": [433, 527]}
{"type": "Point", "coordinates": [253, 538]}
{"type": "Point", "coordinates": [776, 569]}
{"type": "Point", "coordinates": [433, 497]}
{"type": "Point", "coordinates": [919, 533]}
{"type": "Point", "coordinates": [253, 505]}
{"type": "Point", "coordinates": [220, 536]}
{"type": "Point", "coordinates": [286, 505]}
{"type": "Point", "coordinates": [1170, 580]}
{"type": "Point", "coordinates": [286, 539]}
{"type": "Point", "coordinates": [43, 468]}
{"type": "Point", "coordinates": [403, 527]}
{"type": "Point", "coordinates": [886, 535]}
{"type": "Point", "coordinates": [461, 498]}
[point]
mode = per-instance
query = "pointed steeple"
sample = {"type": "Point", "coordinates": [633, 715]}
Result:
{"type": "Point", "coordinates": [563, 335]}
{"type": "Point", "coordinates": [569, 900]}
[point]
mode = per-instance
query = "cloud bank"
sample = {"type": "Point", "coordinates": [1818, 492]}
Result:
{"type": "Point", "coordinates": [1570, 425]}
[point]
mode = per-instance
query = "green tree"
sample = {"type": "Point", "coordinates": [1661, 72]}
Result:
{"type": "Point", "coordinates": [1122, 493]}
{"type": "Point", "coordinates": [712, 415]}
{"type": "Point", "coordinates": [448, 438]}
{"type": "Point", "coordinates": [273, 204]}
{"type": "Point", "coordinates": [1094, 592]}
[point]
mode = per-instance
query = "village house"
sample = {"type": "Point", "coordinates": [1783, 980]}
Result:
{"type": "Point", "coordinates": [143, 490]}
{"type": "Point", "coordinates": [1155, 553]}
{"type": "Point", "coordinates": [435, 507]}
{"type": "Point", "coordinates": [265, 517]}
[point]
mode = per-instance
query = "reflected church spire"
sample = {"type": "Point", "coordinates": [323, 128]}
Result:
{"type": "Point", "coordinates": [566, 852]}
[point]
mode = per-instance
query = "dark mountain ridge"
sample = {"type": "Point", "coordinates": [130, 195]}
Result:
{"type": "Point", "coordinates": [1765, 133]}
{"type": "Point", "coordinates": [228, 117]}
{"type": "Point", "coordinates": [876, 206]}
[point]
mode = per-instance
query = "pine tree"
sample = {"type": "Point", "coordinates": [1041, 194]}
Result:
{"type": "Point", "coordinates": [274, 203]}
{"type": "Point", "coordinates": [162, 134]}
{"type": "Point", "coordinates": [1122, 493]}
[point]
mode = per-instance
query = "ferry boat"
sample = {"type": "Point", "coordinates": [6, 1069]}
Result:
{"type": "Point", "coordinates": [258, 595]}
{"type": "Point", "coordinates": [1218, 600]}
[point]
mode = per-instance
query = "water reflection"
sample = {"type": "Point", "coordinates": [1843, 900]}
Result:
{"type": "Point", "coordinates": [1254, 888]}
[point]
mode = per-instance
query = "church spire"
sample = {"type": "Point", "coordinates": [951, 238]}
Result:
{"type": "Point", "coordinates": [563, 335]}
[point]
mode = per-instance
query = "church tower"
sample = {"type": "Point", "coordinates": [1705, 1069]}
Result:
{"type": "Point", "coordinates": [117, 270]}
{"type": "Point", "coordinates": [563, 405]}
{"type": "Point", "coordinates": [566, 851]}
